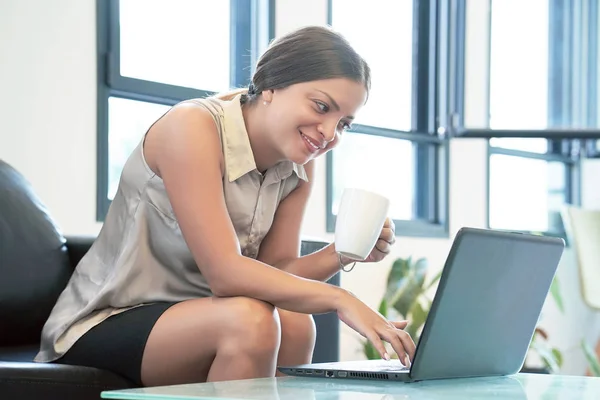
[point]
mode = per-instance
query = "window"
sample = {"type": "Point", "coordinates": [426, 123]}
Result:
{"type": "Point", "coordinates": [593, 149]}
{"type": "Point", "coordinates": [527, 188]}
{"type": "Point", "coordinates": [393, 147]}
{"type": "Point", "coordinates": [141, 73]}
{"type": "Point", "coordinates": [541, 111]}
{"type": "Point", "coordinates": [127, 122]}
{"type": "Point", "coordinates": [388, 161]}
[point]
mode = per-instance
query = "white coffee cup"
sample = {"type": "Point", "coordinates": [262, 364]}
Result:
{"type": "Point", "coordinates": [360, 218]}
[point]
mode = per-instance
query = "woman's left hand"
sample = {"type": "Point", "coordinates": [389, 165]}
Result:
{"type": "Point", "coordinates": [383, 246]}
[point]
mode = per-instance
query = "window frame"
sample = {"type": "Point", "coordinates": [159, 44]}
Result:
{"type": "Point", "coordinates": [557, 9]}
{"type": "Point", "coordinates": [568, 145]}
{"type": "Point", "coordinates": [252, 27]}
{"type": "Point", "coordinates": [431, 100]}
{"type": "Point", "coordinates": [556, 154]}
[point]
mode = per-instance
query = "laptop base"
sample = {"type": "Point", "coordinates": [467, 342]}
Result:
{"type": "Point", "coordinates": [380, 370]}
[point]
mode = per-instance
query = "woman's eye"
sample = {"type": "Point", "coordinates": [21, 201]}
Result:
{"type": "Point", "coordinates": [345, 126]}
{"type": "Point", "coordinates": [322, 106]}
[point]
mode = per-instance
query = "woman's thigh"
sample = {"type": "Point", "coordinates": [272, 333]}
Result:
{"type": "Point", "coordinates": [117, 343]}
{"type": "Point", "coordinates": [298, 336]}
{"type": "Point", "coordinates": [222, 338]}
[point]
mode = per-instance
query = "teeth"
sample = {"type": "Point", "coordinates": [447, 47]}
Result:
{"type": "Point", "coordinates": [310, 142]}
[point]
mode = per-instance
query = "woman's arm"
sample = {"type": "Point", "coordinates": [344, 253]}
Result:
{"type": "Point", "coordinates": [184, 149]}
{"type": "Point", "coordinates": [281, 246]}
{"type": "Point", "coordinates": [320, 265]}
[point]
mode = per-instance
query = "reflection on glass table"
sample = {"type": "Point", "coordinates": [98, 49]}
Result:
{"type": "Point", "coordinates": [521, 387]}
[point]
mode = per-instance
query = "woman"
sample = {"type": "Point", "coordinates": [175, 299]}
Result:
{"type": "Point", "coordinates": [195, 274]}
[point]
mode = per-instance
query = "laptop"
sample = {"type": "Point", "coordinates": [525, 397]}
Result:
{"type": "Point", "coordinates": [484, 313]}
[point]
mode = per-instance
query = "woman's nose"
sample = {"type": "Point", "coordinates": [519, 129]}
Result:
{"type": "Point", "coordinates": [327, 131]}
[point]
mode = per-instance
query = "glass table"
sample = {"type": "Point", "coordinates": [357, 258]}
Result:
{"type": "Point", "coordinates": [520, 386]}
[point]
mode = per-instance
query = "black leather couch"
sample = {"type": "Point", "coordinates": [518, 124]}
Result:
{"type": "Point", "coordinates": [36, 261]}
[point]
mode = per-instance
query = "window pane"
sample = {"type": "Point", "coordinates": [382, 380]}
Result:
{"type": "Point", "coordinates": [128, 121]}
{"type": "Point", "coordinates": [178, 42]}
{"type": "Point", "coordinates": [533, 145]}
{"type": "Point", "coordinates": [519, 64]}
{"type": "Point", "coordinates": [379, 164]}
{"type": "Point", "coordinates": [381, 32]}
{"type": "Point", "coordinates": [526, 194]}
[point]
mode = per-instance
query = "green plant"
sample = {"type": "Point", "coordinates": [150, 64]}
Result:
{"type": "Point", "coordinates": [406, 297]}
{"type": "Point", "coordinates": [550, 356]}
{"type": "Point", "coordinates": [591, 358]}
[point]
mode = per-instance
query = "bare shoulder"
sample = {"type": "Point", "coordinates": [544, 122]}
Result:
{"type": "Point", "coordinates": [184, 149]}
{"type": "Point", "coordinates": [188, 129]}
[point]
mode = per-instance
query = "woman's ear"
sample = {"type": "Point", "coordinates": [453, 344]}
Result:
{"type": "Point", "coordinates": [267, 95]}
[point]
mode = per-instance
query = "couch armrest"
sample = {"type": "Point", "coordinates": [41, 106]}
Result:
{"type": "Point", "coordinates": [77, 246]}
{"type": "Point", "coordinates": [328, 325]}
{"type": "Point", "coordinates": [310, 245]}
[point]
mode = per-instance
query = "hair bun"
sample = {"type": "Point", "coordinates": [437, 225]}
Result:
{"type": "Point", "coordinates": [251, 89]}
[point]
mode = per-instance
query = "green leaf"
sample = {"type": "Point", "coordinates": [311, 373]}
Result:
{"type": "Point", "coordinates": [405, 294]}
{"type": "Point", "coordinates": [370, 352]}
{"type": "Point", "coordinates": [557, 356]}
{"type": "Point", "coordinates": [405, 284]}
{"type": "Point", "coordinates": [555, 291]}
{"type": "Point", "coordinates": [547, 355]}
{"type": "Point", "coordinates": [383, 308]}
{"type": "Point", "coordinates": [435, 279]}
{"type": "Point", "coordinates": [591, 358]}
{"type": "Point", "coordinates": [417, 317]}
{"type": "Point", "coordinates": [400, 270]}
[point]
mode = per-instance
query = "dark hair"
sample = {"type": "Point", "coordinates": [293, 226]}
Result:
{"type": "Point", "coordinates": [307, 54]}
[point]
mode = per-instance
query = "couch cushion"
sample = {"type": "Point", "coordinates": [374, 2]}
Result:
{"type": "Point", "coordinates": [24, 353]}
{"type": "Point", "coordinates": [55, 381]}
{"type": "Point", "coordinates": [34, 264]}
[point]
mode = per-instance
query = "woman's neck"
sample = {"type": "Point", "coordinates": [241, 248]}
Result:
{"type": "Point", "coordinates": [265, 155]}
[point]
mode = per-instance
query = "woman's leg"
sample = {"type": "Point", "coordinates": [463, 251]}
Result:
{"type": "Point", "coordinates": [298, 335]}
{"type": "Point", "coordinates": [212, 339]}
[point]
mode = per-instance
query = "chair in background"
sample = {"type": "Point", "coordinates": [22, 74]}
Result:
{"type": "Point", "coordinates": [583, 232]}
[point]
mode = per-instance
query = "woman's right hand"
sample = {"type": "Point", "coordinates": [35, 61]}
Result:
{"type": "Point", "coordinates": [375, 328]}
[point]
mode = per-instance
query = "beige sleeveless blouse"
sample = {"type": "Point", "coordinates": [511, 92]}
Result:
{"type": "Point", "coordinates": [140, 255]}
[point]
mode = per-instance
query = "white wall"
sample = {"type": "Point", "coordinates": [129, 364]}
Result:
{"type": "Point", "coordinates": [48, 103]}
{"type": "Point", "coordinates": [48, 110]}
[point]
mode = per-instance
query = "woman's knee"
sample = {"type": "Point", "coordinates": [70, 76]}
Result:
{"type": "Point", "coordinates": [254, 323]}
{"type": "Point", "coordinates": [194, 332]}
{"type": "Point", "coordinates": [297, 330]}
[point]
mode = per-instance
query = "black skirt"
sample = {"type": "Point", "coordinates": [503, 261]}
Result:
{"type": "Point", "coordinates": [117, 343]}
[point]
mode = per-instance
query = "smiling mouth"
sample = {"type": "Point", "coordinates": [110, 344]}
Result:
{"type": "Point", "coordinates": [316, 146]}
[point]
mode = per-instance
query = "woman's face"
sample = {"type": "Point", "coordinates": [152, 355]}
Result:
{"type": "Point", "coordinates": [307, 119]}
